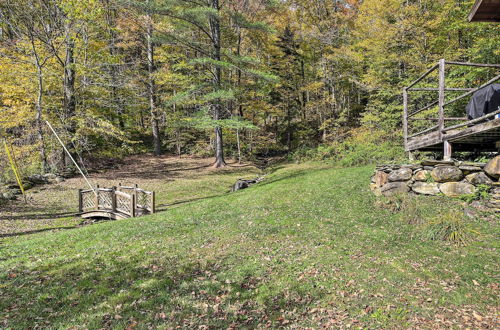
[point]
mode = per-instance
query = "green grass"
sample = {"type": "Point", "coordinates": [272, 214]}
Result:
{"type": "Point", "coordinates": [306, 247]}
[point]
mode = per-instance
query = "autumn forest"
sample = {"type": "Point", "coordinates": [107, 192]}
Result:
{"type": "Point", "coordinates": [233, 79]}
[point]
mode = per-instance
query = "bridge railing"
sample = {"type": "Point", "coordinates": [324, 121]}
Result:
{"type": "Point", "coordinates": [131, 201]}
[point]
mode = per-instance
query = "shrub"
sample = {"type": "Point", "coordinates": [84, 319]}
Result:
{"type": "Point", "coordinates": [450, 227]}
{"type": "Point", "coordinates": [363, 146]}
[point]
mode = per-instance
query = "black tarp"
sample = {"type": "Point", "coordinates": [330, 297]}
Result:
{"type": "Point", "coordinates": [484, 101]}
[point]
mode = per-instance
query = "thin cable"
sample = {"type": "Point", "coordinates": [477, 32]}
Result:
{"type": "Point", "coordinates": [71, 157]}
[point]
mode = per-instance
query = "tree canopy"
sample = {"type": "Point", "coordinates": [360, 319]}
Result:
{"type": "Point", "coordinates": [221, 78]}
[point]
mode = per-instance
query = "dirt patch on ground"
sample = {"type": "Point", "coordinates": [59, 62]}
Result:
{"type": "Point", "coordinates": [175, 181]}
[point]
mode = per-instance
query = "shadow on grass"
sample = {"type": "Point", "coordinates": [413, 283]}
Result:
{"type": "Point", "coordinates": [22, 233]}
{"type": "Point", "coordinates": [37, 216]}
{"type": "Point", "coordinates": [92, 291]}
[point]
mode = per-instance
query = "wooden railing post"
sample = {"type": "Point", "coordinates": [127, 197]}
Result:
{"type": "Point", "coordinates": [405, 117]}
{"type": "Point", "coordinates": [132, 205]}
{"type": "Point", "coordinates": [442, 86]}
{"type": "Point", "coordinates": [97, 197]}
{"type": "Point", "coordinates": [113, 199]}
{"type": "Point", "coordinates": [80, 201]}
{"type": "Point", "coordinates": [153, 202]}
{"type": "Point", "coordinates": [441, 100]}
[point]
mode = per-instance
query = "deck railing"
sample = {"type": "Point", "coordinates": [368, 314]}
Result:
{"type": "Point", "coordinates": [130, 201]}
{"type": "Point", "coordinates": [440, 123]}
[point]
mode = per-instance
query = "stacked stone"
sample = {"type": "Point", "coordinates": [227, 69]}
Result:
{"type": "Point", "coordinates": [432, 177]}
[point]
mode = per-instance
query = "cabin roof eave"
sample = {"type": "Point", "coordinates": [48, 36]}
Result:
{"type": "Point", "coordinates": [485, 11]}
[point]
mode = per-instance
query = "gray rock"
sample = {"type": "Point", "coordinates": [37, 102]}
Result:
{"type": "Point", "coordinates": [425, 188]}
{"type": "Point", "coordinates": [9, 195]}
{"type": "Point", "coordinates": [474, 164]}
{"type": "Point", "coordinates": [456, 189]}
{"type": "Point", "coordinates": [50, 176]}
{"type": "Point", "coordinates": [393, 188]}
{"type": "Point", "coordinates": [403, 174]}
{"type": "Point", "coordinates": [37, 179]}
{"type": "Point", "coordinates": [478, 178]}
{"type": "Point", "coordinates": [492, 168]}
{"type": "Point", "coordinates": [428, 168]}
{"type": "Point", "coordinates": [243, 184]}
{"type": "Point", "coordinates": [479, 206]}
{"type": "Point", "coordinates": [421, 175]}
{"type": "Point", "coordinates": [59, 179]}
{"type": "Point", "coordinates": [469, 169]}
{"type": "Point", "coordinates": [432, 162]}
{"type": "Point", "coordinates": [446, 174]}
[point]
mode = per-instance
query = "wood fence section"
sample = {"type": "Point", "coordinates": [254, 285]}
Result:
{"type": "Point", "coordinates": [444, 130]}
{"type": "Point", "coordinates": [117, 202]}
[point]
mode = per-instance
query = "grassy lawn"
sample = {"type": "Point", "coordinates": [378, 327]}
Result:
{"type": "Point", "coordinates": [306, 247]}
{"type": "Point", "coordinates": [175, 181]}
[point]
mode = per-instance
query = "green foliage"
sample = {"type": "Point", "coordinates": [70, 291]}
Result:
{"type": "Point", "coordinates": [482, 193]}
{"type": "Point", "coordinates": [450, 226]}
{"type": "Point", "coordinates": [361, 148]}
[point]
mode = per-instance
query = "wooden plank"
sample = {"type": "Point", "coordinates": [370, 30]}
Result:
{"type": "Point", "coordinates": [424, 131]}
{"type": "Point", "coordinates": [473, 121]}
{"type": "Point", "coordinates": [430, 89]}
{"type": "Point", "coordinates": [481, 65]}
{"type": "Point", "coordinates": [423, 76]}
{"type": "Point", "coordinates": [455, 135]}
{"type": "Point", "coordinates": [472, 91]}
{"type": "Point", "coordinates": [427, 107]}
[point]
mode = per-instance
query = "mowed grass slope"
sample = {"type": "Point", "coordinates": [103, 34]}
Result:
{"type": "Point", "coordinates": [306, 247]}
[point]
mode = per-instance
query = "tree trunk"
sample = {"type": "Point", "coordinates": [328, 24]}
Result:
{"type": "Point", "coordinates": [38, 117]}
{"type": "Point", "coordinates": [113, 70]}
{"type": "Point", "coordinates": [152, 87]}
{"type": "Point", "coordinates": [69, 91]}
{"type": "Point", "coordinates": [217, 107]}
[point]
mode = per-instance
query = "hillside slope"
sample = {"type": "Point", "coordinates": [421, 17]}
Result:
{"type": "Point", "coordinates": [306, 247]}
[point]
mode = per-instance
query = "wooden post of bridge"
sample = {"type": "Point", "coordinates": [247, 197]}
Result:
{"type": "Point", "coordinates": [113, 199]}
{"type": "Point", "coordinates": [97, 197]}
{"type": "Point", "coordinates": [153, 203]}
{"type": "Point", "coordinates": [80, 201]}
{"type": "Point", "coordinates": [132, 205]}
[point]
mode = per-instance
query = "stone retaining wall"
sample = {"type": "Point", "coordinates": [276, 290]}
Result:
{"type": "Point", "coordinates": [432, 177]}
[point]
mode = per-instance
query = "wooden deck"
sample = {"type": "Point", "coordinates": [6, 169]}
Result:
{"type": "Point", "coordinates": [479, 137]}
{"type": "Point", "coordinates": [436, 127]}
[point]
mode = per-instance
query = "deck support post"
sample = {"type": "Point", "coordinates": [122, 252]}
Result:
{"type": "Point", "coordinates": [441, 100]}
{"type": "Point", "coordinates": [447, 150]}
{"type": "Point", "coordinates": [405, 117]}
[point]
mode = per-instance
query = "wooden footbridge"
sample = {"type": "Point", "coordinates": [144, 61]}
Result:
{"type": "Point", "coordinates": [115, 203]}
{"type": "Point", "coordinates": [434, 121]}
